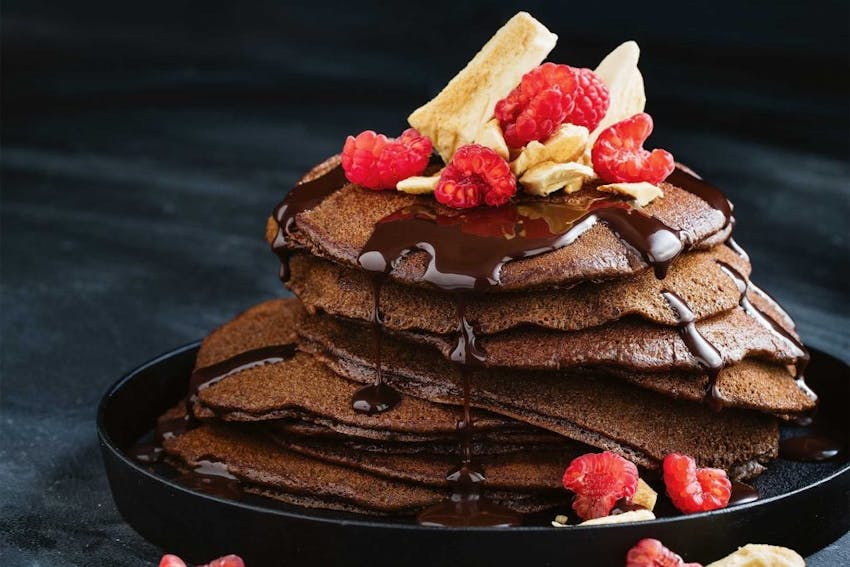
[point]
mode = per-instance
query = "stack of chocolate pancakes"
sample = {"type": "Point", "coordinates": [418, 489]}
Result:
{"type": "Point", "coordinates": [470, 355]}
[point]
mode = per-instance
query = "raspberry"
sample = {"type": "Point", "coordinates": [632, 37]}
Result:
{"type": "Point", "coordinates": [476, 176]}
{"type": "Point", "coordinates": [169, 560]}
{"type": "Point", "coordinates": [591, 100]}
{"type": "Point", "coordinates": [692, 489]}
{"type": "Point", "coordinates": [599, 480]}
{"type": "Point", "coordinates": [618, 155]}
{"type": "Point", "coordinates": [538, 105]}
{"type": "Point", "coordinates": [652, 553]}
{"type": "Point", "coordinates": [226, 561]}
{"type": "Point", "coordinates": [376, 162]}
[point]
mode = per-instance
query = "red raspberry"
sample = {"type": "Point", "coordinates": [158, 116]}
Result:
{"type": "Point", "coordinates": [226, 561]}
{"type": "Point", "coordinates": [169, 560]}
{"type": "Point", "coordinates": [476, 176]}
{"type": "Point", "coordinates": [599, 480]}
{"type": "Point", "coordinates": [618, 155]}
{"type": "Point", "coordinates": [376, 162]}
{"type": "Point", "coordinates": [538, 105]}
{"type": "Point", "coordinates": [591, 100]}
{"type": "Point", "coordinates": [692, 489]}
{"type": "Point", "coordinates": [652, 553]}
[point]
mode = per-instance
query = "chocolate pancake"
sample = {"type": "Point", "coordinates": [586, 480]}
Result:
{"type": "Point", "coordinates": [628, 344]}
{"type": "Point", "coordinates": [666, 365]}
{"type": "Point", "coordinates": [501, 441]}
{"type": "Point", "coordinates": [606, 413]}
{"type": "Point", "coordinates": [526, 471]}
{"type": "Point", "coordinates": [303, 388]}
{"type": "Point", "coordinates": [265, 468]}
{"type": "Point", "coordinates": [325, 229]}
{"type": "Point", "coordinates": [337, 290]}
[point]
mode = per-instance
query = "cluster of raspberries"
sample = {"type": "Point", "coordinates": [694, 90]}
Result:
{"type": "Point", "coordinates": [599, 480]}
{"type": "Point", "coordinates": [546, 97]}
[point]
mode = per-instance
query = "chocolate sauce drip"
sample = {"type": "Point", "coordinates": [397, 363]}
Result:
{"type": "Point", "coordinates": [810, 448]}
{"type": "Point", "coordinates": [770, 323]}
{"type": "Point", "coordinates": [705, 353]}
{"type": "Point", "coordinates": [742, 494]}
{"type": "Point", "coordinates": [686, 179]}
{"type": "Point", "coordinates": [207, 376]}
{"type": "Point", "coordinates": [467, 475]}
{"type": "Point", "coordinates": [378, 397]}
{"type": "Point", "coordinates": [300, 198]}
{"type": "Point", "coordinates": [467, 507]}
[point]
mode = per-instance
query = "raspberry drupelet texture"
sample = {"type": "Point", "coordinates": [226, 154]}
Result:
{"type": "Point", "coordinates": [476, 176]}
{"type": "Point", "coordinates": [538, 105]}
{"type": "Point", "coordinates": [376, 162]}
{"type": "Point", "coordinates": [618, 155]}
{"type": "Point", "coordinates": [591, 100]}
{"type": "Point", "coordinates": [599, 480]}
{"type": "Point", "coordinates": [695, 490]}
{"type": "Point", "coordinates": [652, 553]}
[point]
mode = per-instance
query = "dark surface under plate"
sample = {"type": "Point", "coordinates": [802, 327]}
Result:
{"type": "Point", "coordinates": [145, 143]}
{"type": "Point", "coordinates": [196, 524]}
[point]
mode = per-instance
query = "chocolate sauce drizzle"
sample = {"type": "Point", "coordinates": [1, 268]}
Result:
{"type": "Point", "coordinates": [705, 352]}
{"type": "Point", "coordinates": [709, 357]}
{"type": "Point", "coordinates": [686, 179]}
{"type": "Point", "coordinates": [300, 198]}
{"type": "Point", "coordinates": [378, 397]}
{"type": "Point", "coordinates": [771, 324]}
{"type": "Point", "coordinates": [208, 375]}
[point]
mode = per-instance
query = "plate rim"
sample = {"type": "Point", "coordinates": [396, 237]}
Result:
{"type": "Point", "coordinates": [375, 523]}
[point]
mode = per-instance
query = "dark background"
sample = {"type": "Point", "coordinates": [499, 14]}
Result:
{"type": "Point", "coordinates": [144, 144]}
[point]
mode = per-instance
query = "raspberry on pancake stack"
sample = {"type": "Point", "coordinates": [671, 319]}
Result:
{"type": "Point", "coordinates": [512, 288]}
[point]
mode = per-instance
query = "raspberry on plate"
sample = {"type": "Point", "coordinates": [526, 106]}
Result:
{"type": "Point", "coordinates": [599, 480]}
{"type": "Point", "coordinates": [538, 105]}
{"type": "Point", "coordinates": [376, 162]}
{"type": "Point", "coordinates": [591, 100]}
{"type": "Point", "coordinates": [652, 553]}
{"type": "Point", "coordinates": [476, 176]}
{"type": "Point", "coordinates": [226, 561]}
{"type": "Point", "coordinates": [169, 560]}
{"type": "Point", "coordinates": [695, 490]}
{"type": "Point", "coordinates": [618, 155]}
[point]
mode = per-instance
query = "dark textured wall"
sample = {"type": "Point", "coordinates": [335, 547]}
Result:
{"type": "Point", "coordinates": [144, 143]}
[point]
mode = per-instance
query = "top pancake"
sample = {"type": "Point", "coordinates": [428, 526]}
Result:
{"type": "Point", "coordinates": [339, 227]}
